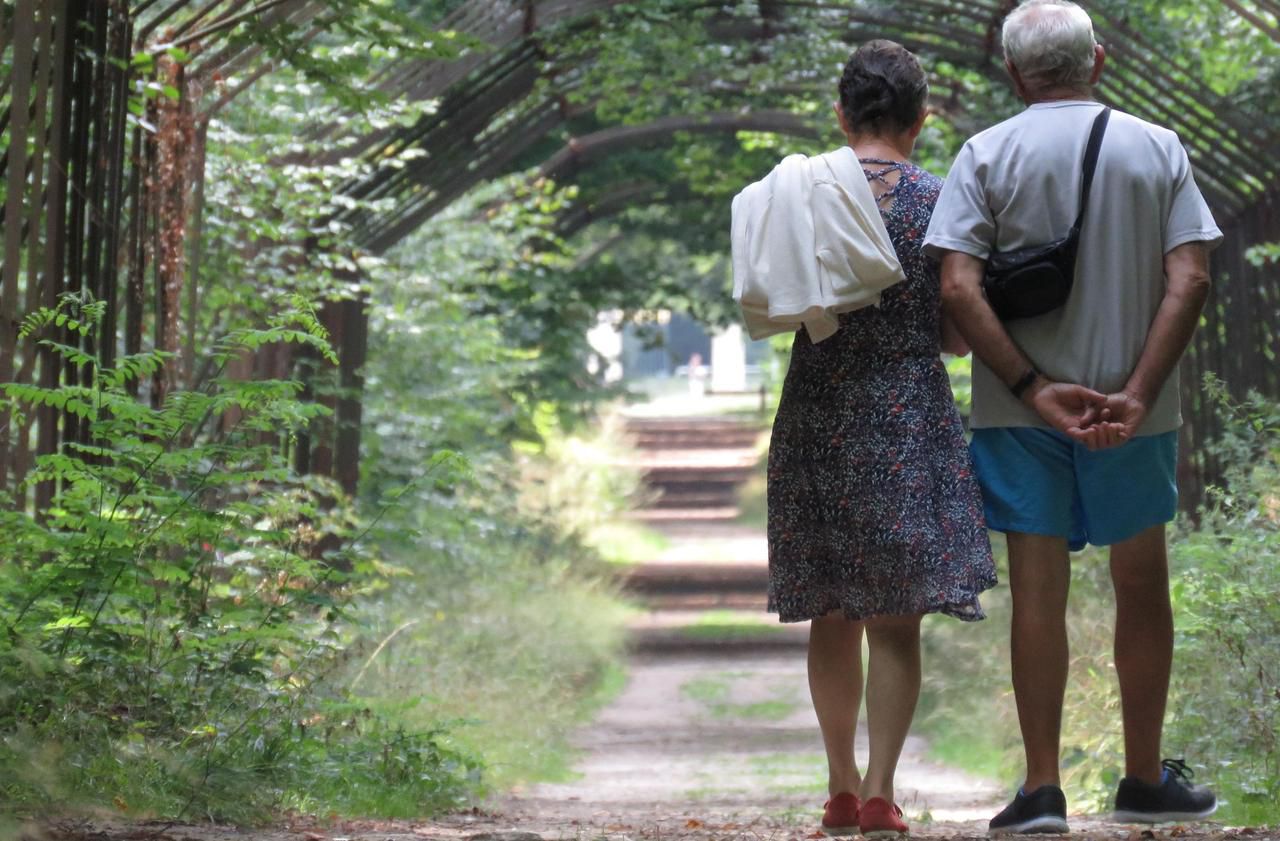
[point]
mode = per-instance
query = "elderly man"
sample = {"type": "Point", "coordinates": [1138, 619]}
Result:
{"type": "Point", "coordinates": [1075, 411]}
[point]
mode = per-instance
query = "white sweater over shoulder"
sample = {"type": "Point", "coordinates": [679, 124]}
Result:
{"type": "Point", "coordinates": [808, 244]}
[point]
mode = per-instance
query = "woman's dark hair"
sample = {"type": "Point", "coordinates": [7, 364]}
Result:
{"type": "Point", "coordinates": [883, 88]}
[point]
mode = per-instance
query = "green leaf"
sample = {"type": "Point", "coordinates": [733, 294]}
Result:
{"type": "Point", "coordinates": [77, 621]}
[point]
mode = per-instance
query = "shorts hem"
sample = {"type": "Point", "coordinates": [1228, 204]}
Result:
{"type": "Point", "coordinates": [1074, 543]}
{"type": "Point", "coordinates": [1133, 531]}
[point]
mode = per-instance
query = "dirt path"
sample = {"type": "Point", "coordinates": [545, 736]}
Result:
{"type": "Point", "coordinates": [714, 736]}
{"type": "Point", "coordinates": [715, 728]}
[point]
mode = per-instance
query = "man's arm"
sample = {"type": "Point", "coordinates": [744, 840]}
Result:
{"type": "Point", "coordinates": [952, 342]}
{"type": "Point", "coordinates": [1186, 270]}
{"type": "Point", "coordinates": [1071, 409]}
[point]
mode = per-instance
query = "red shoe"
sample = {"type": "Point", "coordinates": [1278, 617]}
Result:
{"type": "Point", "coordinates": [840, 814]}
{"type": "Point", "coordinates": [880, 819]}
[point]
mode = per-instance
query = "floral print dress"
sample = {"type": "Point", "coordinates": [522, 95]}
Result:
{"type": "Point", "coordinates": [873, 506]}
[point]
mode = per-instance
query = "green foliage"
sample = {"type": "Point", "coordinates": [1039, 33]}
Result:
{"type": "Point", "coordinates": [1264, 254]}
{"type": "Point", "coordinates": [168, 626]}
{"type": "Point", "coordinates": [1228, 677]}
{"type": "Point", "coordinates": [637, 62]}
{"type": "Point", "coordinates": [338, 49]}
{"type": "Point", "coordinates": [494, 267]}
{"type": "Point", "coordinates": [499, 617]}
{"type": "Point", "coordinates": [960, 372]}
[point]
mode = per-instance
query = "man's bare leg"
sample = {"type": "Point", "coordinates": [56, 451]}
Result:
{"type": "Point", "coordinates": [835, 683]}
{"type": "Point", "coordinates": [1039, 579]}
{"type": "Point", "coordinates": [1143, 646]}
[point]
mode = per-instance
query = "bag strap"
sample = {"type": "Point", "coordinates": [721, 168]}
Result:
{"type": "Point", "coordinates": [1091, 160]}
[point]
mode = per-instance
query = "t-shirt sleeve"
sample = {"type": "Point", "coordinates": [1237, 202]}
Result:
{"type": "Point", "coordinates": [1190, 219]}
{"type": "Point", "coordinates": [962, 221]}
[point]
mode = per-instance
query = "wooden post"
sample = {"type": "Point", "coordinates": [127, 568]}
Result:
{"type": "Point", "coordinates": [352, 354]}
{"type": "Point", "coordinates": [58, 240]}
{"type": "Point", "coordinates": [24, 32]}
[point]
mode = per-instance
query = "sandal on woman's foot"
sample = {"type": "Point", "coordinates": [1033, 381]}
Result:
{"type": "Point", "coordinates": [840, 814]}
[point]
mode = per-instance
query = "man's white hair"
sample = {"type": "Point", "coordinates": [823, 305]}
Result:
{"type": "Point", "coordinates": [1051, 43]}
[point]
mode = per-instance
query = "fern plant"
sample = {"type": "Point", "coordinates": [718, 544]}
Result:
{"type": "Point", "coordinates": [168, 620]}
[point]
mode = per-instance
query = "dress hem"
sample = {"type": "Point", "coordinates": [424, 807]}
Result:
{"type": "Point", "coordinates": [964, 612]}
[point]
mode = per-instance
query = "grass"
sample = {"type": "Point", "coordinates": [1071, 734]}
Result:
{"type": "Point", "coordinates": [730, 625]}
{"type": "Point", "coordinates": [735, 696]}
{"type": "Point", "coordinates": [971, 749]}
{"type": "Point", "coordinates": [966, 706]}
{"type": "Point", "coordinates": [968, 715]}
{"type": "Point", "coordinates": [753, 506]}
{"type": "Point", "coordinates": [670, 397]}
{"type": "Point", "coordinates": [626, 543]}
{"type": "Point", "coordinates": [511, 673]}
{"type": "Point", "coordinates": [512, 626]}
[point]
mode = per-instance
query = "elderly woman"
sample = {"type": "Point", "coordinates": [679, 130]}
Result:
{"type": "Point", "coordinates": [874, 515]}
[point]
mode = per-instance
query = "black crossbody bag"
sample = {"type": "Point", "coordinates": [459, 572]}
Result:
{"type": "Point", "coordinates": [1035, 280]}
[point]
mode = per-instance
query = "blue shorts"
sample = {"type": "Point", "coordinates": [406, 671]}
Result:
{"type": "Point", "coordinates": [1039, 481]}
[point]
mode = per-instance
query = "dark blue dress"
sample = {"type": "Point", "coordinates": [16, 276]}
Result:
{"type": "Point", "coordinates": [873, 506]}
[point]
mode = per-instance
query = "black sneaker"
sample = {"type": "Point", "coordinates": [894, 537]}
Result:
{"type": "Point", "coordinates": [1043, 810]}
{"type": "Point", "coordinates": [1175, 799]}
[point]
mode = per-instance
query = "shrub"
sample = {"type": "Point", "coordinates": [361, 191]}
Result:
{"type": "Point", "coordinates": [1226, 706]}
{"type": "Point", "coordinates": [168, 625]}
{"type": "Point", "coordinates": [500, 620]}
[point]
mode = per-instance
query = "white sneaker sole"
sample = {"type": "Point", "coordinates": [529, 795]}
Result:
{"type": "Point", "coordinates": [839, 831]}
{"type": "Point", "coordinates": [1120, 816]}
{"type": "Point", "coordinates": [886, 833]}
{"type": "Point", "coordinates": [1045, 824]}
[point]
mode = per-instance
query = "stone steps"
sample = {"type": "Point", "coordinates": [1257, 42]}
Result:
{"type": "Point", "coordinates": [707, 594]}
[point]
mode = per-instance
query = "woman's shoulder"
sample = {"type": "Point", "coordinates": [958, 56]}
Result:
{"type": "Point", "coordinates": [922, 179]}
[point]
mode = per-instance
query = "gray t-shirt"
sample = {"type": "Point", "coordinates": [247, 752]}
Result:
{"type": "Point", "coordinates": [1017, 184]}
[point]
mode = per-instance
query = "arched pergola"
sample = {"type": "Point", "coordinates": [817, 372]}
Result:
{"type": "Point", "coordinates": [502, 113]}
{"type": "Point", "coordinates": [493, 109]}
{"type": "Point", "coordinates": [520, 103]}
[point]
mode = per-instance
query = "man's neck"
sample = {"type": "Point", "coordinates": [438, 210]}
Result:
{"type": "Point", "coordinates": [1058, 95]}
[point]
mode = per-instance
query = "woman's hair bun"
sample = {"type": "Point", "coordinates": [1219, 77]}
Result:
{"type": "Point", "coordinates": [883, 88]}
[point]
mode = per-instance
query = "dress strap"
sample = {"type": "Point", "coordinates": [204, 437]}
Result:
{"type": "Point", "coordinates": [886, 167]}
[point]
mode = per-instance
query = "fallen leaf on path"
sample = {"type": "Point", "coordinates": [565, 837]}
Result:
{"type": "Point", "coordinates": [693, 823]}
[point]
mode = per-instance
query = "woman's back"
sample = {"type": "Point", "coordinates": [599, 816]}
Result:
{"type": "Point", "coordinates": [908, 319]}
{"type": "Point", "coordinates": [872, 505]}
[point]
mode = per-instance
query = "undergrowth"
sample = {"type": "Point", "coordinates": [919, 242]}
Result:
{"type": "Point", "coordinates": [501, 623]}
{"type": "Point", "coordinates": [196, 631]}
{"type": "Point", "coordinates": [172, 622]}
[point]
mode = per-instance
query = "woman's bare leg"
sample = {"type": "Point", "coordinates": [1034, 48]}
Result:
{"type": "Point", "coordinates": [893, 687]}
{"type": "Point", "coordinates": [835, 683]}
